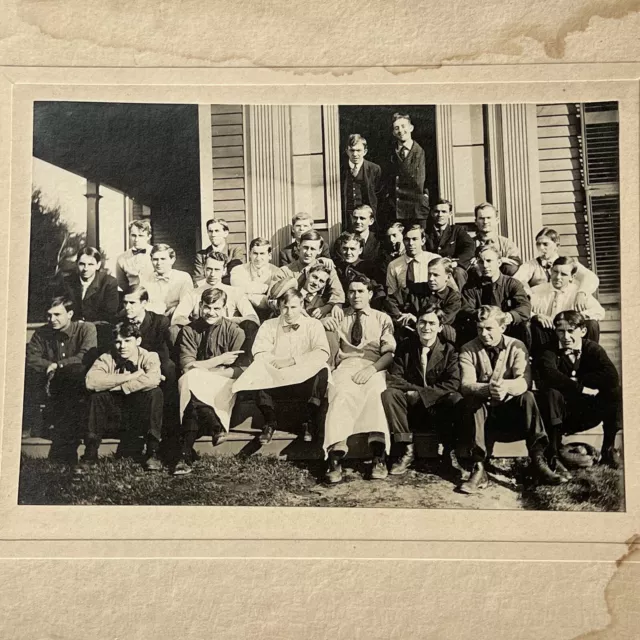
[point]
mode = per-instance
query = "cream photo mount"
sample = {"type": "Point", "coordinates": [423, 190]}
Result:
{"type": "Point", "coordinates": [291, 531]}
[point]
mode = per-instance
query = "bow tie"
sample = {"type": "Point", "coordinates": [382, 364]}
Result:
{"type": "Point", "coordinates": [135, 252]}
{"type": "Point", "coordinates": [545, 264]}
{"type": "Point", "coordinates": [290, 327]}
{"type": "Point", "coordinates": [160, 278]}
{"type": "Point", "coordinates": [126, 365]}
{"type": "Point", "coordinates": [571, 352]}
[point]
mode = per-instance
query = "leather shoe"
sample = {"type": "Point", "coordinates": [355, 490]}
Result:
{"type": "Point", "coordinates": [611, 457]}
{"type": "Point", "coordinates": [401, 466]}
{"type": "Point", "coordinates": [543, 473]}
{"type": "Point", "coordinates": [379, 469]}
{"type": "Point", "coordinates": [334, 473]}
{"type": "Point", "coordinates": [182, 469]}
{"type": "Point", "coordinates": [267, 433]}
{"type": "Point", "coordinates": [218, 437]}
{"type": "Point", "coordinates": [559, 468]}
{"type": "Point", "coordinates": [477, 481]}
{"type": "Point", "coordinates": [152, 463]}
{"type": "Point", "coordinates": [307, 435]}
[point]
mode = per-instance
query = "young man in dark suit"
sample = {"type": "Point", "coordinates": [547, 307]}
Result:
{"type": "Point", "coordinates": [218, 230]}
{"type": "Point", "coordinates": [300, 224]}
{"type": "Point", "coordinates": [580, 387]}
{"type": "Point", "coordinates": [406, 194]}
{"type": "Point", "coordinates": [361, 179]}
{"type": "Point", "coordinates": [362, 221]}
{"type": "Point", "coordinates": [450, 240]}
{"type": "Point", "coordinates": [422, 388]}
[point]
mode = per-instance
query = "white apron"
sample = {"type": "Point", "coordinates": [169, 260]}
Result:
{"type": "Point", "coordinates": [263, 375]}
{"type": "Point", "coordinates": [355, 408]}
{"type": "Point", "coordinates": [210, 388]}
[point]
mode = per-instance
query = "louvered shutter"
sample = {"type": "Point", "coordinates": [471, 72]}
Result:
{"type": "Point", "coordinates": [600, 141]}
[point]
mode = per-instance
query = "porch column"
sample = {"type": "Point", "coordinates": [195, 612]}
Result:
{"type": "Point", "coordinates": [206, 173]}
{"type": "Point", "coordinates": [331, 122]}
{"type": "Point", "coordinates": [515, 175]}
{"type": "Point", "coordinates": [93, 213]}
{"type": "Point", "coordinates": [271, 193]}
{"type": "Point", "coordinates": [444, 148]}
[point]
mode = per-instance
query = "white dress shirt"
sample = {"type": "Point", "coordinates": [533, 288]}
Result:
{"type": "Point", "coordinates": [397, 270]}
{"type": "Point", "coordinates": [547, 301]}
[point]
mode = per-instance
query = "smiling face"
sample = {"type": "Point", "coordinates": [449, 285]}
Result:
{"type": "Point", "coordinates": [547, 248]}
{"type": "Point", "coordinates": [413, 242]}
{"type": "Point", "coordinates": [490, 332]}
{"type": "Point", "coordinates": [291, 309]}
{"type": "Point", "coordinates": [351, 251]}
{"type": "Point", "coordinates": [570, 337]}
{"type": "Point", "coordinates": [437, 277]}
{"type": "Point", "coordinates": [260, 256]}
{"type": "Point", "coordinates": [87, 267]}
{"type": "Point", "coordinates": [162, 262]}
{"type": "Point", "coordinates": [133, 306]}
{"type": "Point", "coordinates": [59, 318]}
{"type": "Point", "coordinates": [441, 215]}
{"type": "Point", "coordinates": [217, 234]}
{"type": "Point", "coordinates": [356, 153]}
{"type": "Point", "coordinates": [487, 220]}
{"type": "Point", "coordinates": [212, 312]}
{"type": "Point", "coordinates": [428, 327]}
{"type": "Point", "coordinates": [359, 296]}
{"type": "Point", "coordinates": [213, 271]}
{"type": "Point", "coordinates": [138, 239]}
{"type": "Point", "coordinates": [309, 251]}
{"type": "Point", "coordinates": [561, 276]}
{"type": "Point", "coordinates": [127, 347]}
{"type": "Point", "coordinates": [489, 265]}
{"type": "Point", "coordinates": [361, 221]}
{"type": "Point", "coordinates": [301, 226]}
{"type": "Point", "coordinates": [317, 281]}
{"type": "Point", "coordinates": [402, 130]}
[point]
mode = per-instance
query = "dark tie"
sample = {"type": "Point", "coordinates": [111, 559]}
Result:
{"type": "Point", "coordinates": [123, 366]}
{"type": "Point", "coordinates": [290, 327]}
{"type": "Point", "coordinates": [411, 272]}
{"type": "Point", "coordinates": [487, 294]}
{"type": "Point", "coordinates": [404, 152]}
{"type": "Point", "coordinates": [546, 267]}
{"type": "Point", "coordinates": [138, 251]}
{"type": "Point", "coordinates": [356, 330]}
{"type": "Point", "coordinates": [493, 353]}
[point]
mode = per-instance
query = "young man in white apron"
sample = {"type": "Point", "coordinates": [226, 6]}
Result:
{"type": "Point", "coordinates": [209, 349]}
{"type": "Point", "coordinates": [366, 350]}
{"type": "Point", "coordinates": [290, 362]}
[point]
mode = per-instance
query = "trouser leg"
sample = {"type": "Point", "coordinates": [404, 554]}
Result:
{"type": "Point", "coordinates": [444, 415]}
{"type": "Point", "coordinates": [396, 409]}
{"type": "Point", "coordinates": [553, 410]}
{"type": "Point", "coordinates": [540, 336]}
{"type": "Point", "coordinates": [474, 415]}
{"type": "Point", "coordinates": [144, 410]}
{"type": "Point", "coordinates": [105, 412]}
{"type": "Point", "coordinates": [460, 277]}
{"type": "Point", "coordinates": [521, 331]}
{"type": "Point", "coordinates": [522, 414]}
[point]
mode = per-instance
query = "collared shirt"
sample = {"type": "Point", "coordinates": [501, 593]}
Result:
{"type": "Point", "coordinates": [72, 346]}
{"type": "Point", "coordinates": [237, 304]}
{"type": "Point", "coordinates": [365, 236]}
{"type": "Point", "coordinates": [404, 145]}
{"type": "Point", "coordinates": [298, 271]}
{"type": "Point", "coordinates": [547, 301]}
{"type": "Point", "coordinates": [355, 168]}
{"type": "Point", "coordinates": [377, 335]}
{"type": "Point", "coordinates": [103, 374]}
{"type": "Point", "coordinates": [85, 284]}
{"type": "Point", "coordinates": [249, 280]}
{"type": "Point", "coordinates": [533, 273]}
{"type": "Point", "coordinates": [167, 291]}
{"type": "Point", "coordinates": [506, 247]}
{"type": "Point", "coordinates": [132, 269]}
{"type": "Point", "coordinates": [397, 270]}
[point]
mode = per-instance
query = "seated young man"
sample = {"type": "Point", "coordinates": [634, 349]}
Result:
{"type": "Point", "coordinates": [313, 291]}
{"type": "Point", "coordinates": [404, 305]}
{"type": "Point", "coordinates": [208, 349]}
{"type": "Point", "coordinates": [497, 403]}
{"type": "Point", "coordinates": [580, 387]}
{"type": "Point", "coordinates": [393, 244]}
{"type": "Point", "coordinates": [300, 224]}
{"type": "Point", "coordinates": [494, 289]}
{"type": "Point", "coordinates": [58, 356]}
{"type": "Point", "coordinates": [560, 294]}
{"type": "Point", "coordinates": [422, 388]}
{"type": "Point", "coordinates": [217, 230]}
{"type": "Point", "coordinates": [255, 278]}
{"type": "Point", "coordinates": [362, 221]}
{"type": "Point", "coordinates": [134, 265]}
{"type": "Point", "coordinates": [167, 287]}
{"type": "Point", "coordinates": [487, 229]}
{"type": "Point", "coordinates": [126, 393]}
{"type": "Point", "coordinates": [289, 362]}
{"type": "Point", "coordinates": [355, 406]}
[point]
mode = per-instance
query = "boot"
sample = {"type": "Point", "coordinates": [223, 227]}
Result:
{"type": "Point", "coordinates": [379, 468]}
{"type": "Point", "coordinates": [611, 457]}
{"type": "Point", "coordinates": [307, 432]}
{"type": "Point", "coordinates": [556, 465]}
{"type": "Point", "coordinates": [477, 481]}
{"type": "Point", "coordinates": [89, 459]}
{"type": "Point", "coordinates": [267, 432]}
{"type": "Point", "coordinates": [334, 473]}
{"type": "Point", "coordinates": [542, 471]}
{"type": "Point", "coordinates": [401, 466]}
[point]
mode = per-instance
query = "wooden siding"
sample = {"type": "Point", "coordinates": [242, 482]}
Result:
{"type": "Point", "coordinates": [229, 172]}
{"type": "Point", "coordinates": [561, 187]}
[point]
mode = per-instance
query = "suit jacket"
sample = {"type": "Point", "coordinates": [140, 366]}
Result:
{"type": "Point", "coordinates": [155, 334]}
{"type": "Point", "coordinates": [405, 188]}
{"type": "Point", "coordinates": [418, 295]}
{"type": "Point", "coordinates": [101, 300]}
{"type": "Point", "coordinates": [290, 253]}
{"type": "Point", "coordinates": [442, 375]}
{"type": "Point", "coordinates": [508, 293]}
{"type": "Point", "coordinates": [367, 268]}
{"type": "Point", "coordinates": [372, 251]}
{"type": "Point", "coordinates": [236, 254]}
{"type": "Point", "coordinates": [595, 369]}
{"type": "Point", "coordinates": [455, 242]}
{"type": "Point", "coordinates": [371, 185]}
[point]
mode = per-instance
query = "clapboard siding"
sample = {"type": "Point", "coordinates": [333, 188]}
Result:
{"type": "Point", "coordinates": [229, 172]}
{"type": "Point", "coordinates": [561, 180]}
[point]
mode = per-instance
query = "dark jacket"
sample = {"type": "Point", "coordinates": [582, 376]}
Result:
{"type": "Point", "coordinates": [595, 369]}
{"type": "Point", "coordinates": [101, 300]}
{"type": "Point", "coordinates": [372, 251]}
{"type": "Point", "coordinates": [442, 375]}
{"type": "Point", "coordinates": [454, 243]}
{"type": "Point", "coordinates": [155, 334]}
{"type": "Point", "coordinates": [405, 186]}
{"type": "Point", "coordinates": [76, 345]}
{"type": "Point", "coordinates": [236, 254]}
{"type": "Point", "coordinates": [371, 176]}
{"type": "Point", "coordinates": [418, 295]}
{"type": "Point", "coordinates": [290, 253]}
{"type": "Point", "coordinates": [508, 294]}
{"type": "Point", "coordinates": [367, 268]}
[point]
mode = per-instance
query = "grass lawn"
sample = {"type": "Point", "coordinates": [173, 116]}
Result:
{"type": "Point", "coordinates": [269, 481]}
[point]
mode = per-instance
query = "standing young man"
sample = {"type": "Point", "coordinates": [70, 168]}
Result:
{"type": "Point", "coordinates": [487, 232]}
{"type": "Point", "coordinates": [422, 388]}
{"type": "Point", "coordinates": [361, 181]}
{"type": "Point", "coordinates": [126, 391]}
{"type": "Point", "coordinates": [209, 348]}
{"type": "Point", "coordinates": [300, 224]}
{"type": "Point", "coordinates": [355, 406]}
{"type": "Point", "coordinates": [134, 265]}
{"type": "Point", "coordinates": [218, 231]}
{"type": "Point", "coordinates": [290, 361]}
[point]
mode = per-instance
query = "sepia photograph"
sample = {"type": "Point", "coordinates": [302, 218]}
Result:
{"type": "Point", "coordinates": [403, 306]}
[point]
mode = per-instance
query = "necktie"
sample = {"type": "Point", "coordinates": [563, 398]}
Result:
{"type": "Point", "coordinates": [136, 252]}
{"type": "Point", "coordinates": [287, 328]}
{"type": "Point", "coordinates": [356, 330]}
{"type": "Point", "coordinates": [487, 294]}
{"type": "Point", "coordinates": [424, 359]}
{"type": "Point", "coordinates": [411, 272]}
{"type": "Point", "coordinates": [404, 152]}
{"type": "Point", "coordinates": [493, 353]}
{"type": "Point", "coordinates": [355, 171]}
{"type": "Point", "coordinates": [555, 303]}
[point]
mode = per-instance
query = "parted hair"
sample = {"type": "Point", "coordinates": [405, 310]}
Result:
{"type": "Point", "coordinates": [571, 317]}
{"type": "Point", "coordinates": [288, 294]}
{"type": "Point", "coordinates": [481, 206]}
{"type": "Point", "coordinates": [312, 235]}
{"type": "Point", "coordinates": [211, 295]}
{"type": "Point", "coordinates": [302, 215]}
{"type": "Point", "coordinates": [485, 248]}
{"type": "Point", "coordinates": [395, 225]}
{"type": "Point", "coordinates": [218, 256]}
{"type": "Point", "coordinates": [63, 300]}
{"type": "Point", "coordinates": [260, 242]}
{"type": "Point", "coordinates": [157, 248]}
{"type": "Point", "coordinates": [353, 140]}
{"type": "Point", "coordinates": [566, 260]}
{"type": "Point", "coordinates": [548, 232]}
{"type": "Point", "coordinates": [142, 225]}
{"type": "Point", "coordinates": [126, 329]}
{"type": "Point", "coordinates": [137, 290]}
{"type": "Point", "coordinates": [446, 263]}
{"type": "Point", "coordinates": [364, 208]}
{"type": "Point", "coordinates": [400, 116]}
{"type": "Point", "coordinates": [361, 279]}
{"type": "Point", "coordinates": [487, 312]}
{"type": "Point", "coordinates": [223, 223]}
{"type": "Point", "coordinates": [432, 308]}
{"type": "Point", "coordinates": [348, 236]}
{"type": "Point", "coordinates": [92, 252]}
{"type": "Point", "coordinates": [319, 267]}
{"type": "Point", "coordinates": [415, 227]}
{"type": "Point", "coordinates": [443, 201]}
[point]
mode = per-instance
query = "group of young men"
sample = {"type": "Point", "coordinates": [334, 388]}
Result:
{"type": "Point", "coordinates": [415, 327]}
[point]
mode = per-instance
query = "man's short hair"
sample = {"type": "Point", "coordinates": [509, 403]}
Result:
{"type": "Point", "coordinates": [444, 201]}
{"type": "Point", "coordinates": [396, 225]}
{"type": "Point", "coordinates": [259, 242]}
{"type": "Point", "coordinates": [141, 225]}
{"type": "Point", "coordinates": [548, 232]}
{"type": "Point", "coordinates": [302, 215]}
{"type": "Point", "coordinates": [566, 260]}
{"type": "Point", "coordinates": [126, 329]}
{"type": "Point", "coordinates": [61, 300]}
{"type": "Point", "coordinates": [312, 235]}
{"type": "Point", "coordinates": [486, 248]}
{"type": "Point", "coordinates": [354, 139]}
{"type": "Point", "coordinates": [400, 116]}
{"type": "Point", "coordinates": [223, 223]}
{"type": "Point", "coordinates": [487, 312]}
{"type": "Point", "coordinates": [347, 236]}
{"type": "Point", "coordinates": [218, 256]}
{"type": "Point", "coordinates": [364, 208]}
{"type": "Point", "coordinates": [573, 318]}
{"type": "Point", "coordinates": [157, 248]}
{"type": "Point", "coordinates": [416, 227]}
{"type": "Point", "coordinates": [211, 295]}
{"type": "Point", "coordinates": [288, 294]}
{"type": "Point", "coordinates": [92, 252]}
{"type": "Point", "coordinates": [481, 207]}
{"type": "Point", "coordinates": [319, 267]}
{"type": "Point", "coordinates": [139, 291]}
{"type": "Point", "coordinates": [360, 279]}
{"type": "Point", "coordinates": [447, 264]}
{"type": "Point", "coordinates": [432, 308]}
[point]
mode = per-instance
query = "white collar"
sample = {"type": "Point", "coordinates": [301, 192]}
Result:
{"type": "Point", "coordinates": [85, 284]}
